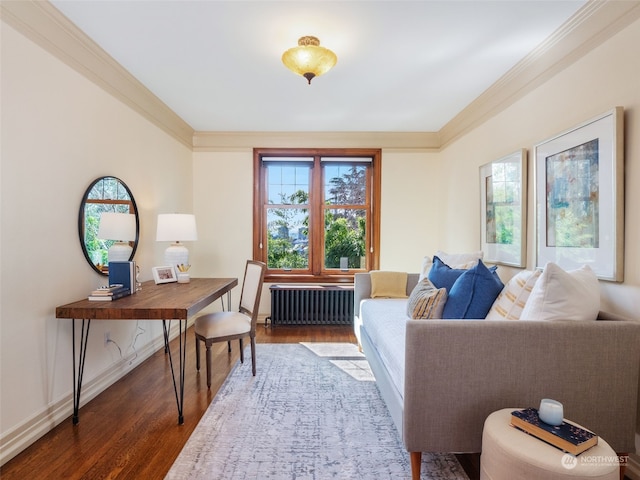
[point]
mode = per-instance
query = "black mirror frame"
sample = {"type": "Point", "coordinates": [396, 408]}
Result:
{"type": "Point", "coordinates": [81, 220]}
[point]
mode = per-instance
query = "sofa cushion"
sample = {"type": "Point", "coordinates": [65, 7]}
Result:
{"type": "Point", "coordinates": [473, 293]}
{"type": "Point", "coordinates": [564, 295]}
{"type": "Point", "coordinates": [454, 260]}
{"type": "Point", "coordinates": [512, 299]}
{"type": "Point", "coordinates": [385, 323]}
{"type": "Point", "coordinates": [426, 301]}
{"type": "Point", "coordinates": [388, 284]}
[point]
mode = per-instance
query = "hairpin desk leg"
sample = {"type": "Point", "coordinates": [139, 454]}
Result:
{"type": "Point", "coordinates": [77, 381]}
{"type": "Point", "coordinates": [178, 389]}
{"type": "Point", "coordinates": [167, 330]}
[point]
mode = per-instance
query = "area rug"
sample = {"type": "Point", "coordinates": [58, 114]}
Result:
{"type": "Point", "coordinates": [313, 411]}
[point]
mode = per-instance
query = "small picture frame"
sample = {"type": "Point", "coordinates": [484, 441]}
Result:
{"type": "Point", "coordinates": [164, 274]}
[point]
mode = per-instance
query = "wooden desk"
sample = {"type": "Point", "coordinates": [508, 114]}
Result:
{"type": "Point", "coordinates": [168, 301]}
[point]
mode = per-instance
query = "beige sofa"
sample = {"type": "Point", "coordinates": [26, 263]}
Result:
{"type": "Point", "coordinates": [454, 373]}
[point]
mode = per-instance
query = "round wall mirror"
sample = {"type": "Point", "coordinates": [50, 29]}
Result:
{"type": "Point", "coordinates": [104, 195]}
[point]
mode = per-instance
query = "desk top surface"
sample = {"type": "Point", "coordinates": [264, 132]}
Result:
{"type": "Point", "coordinates": [165, 301]}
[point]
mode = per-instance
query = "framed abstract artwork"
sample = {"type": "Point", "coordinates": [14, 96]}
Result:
{"type": "Point", "coordinates": [579, 190]}
{"type": "Point", "coordinates": [503, 215]}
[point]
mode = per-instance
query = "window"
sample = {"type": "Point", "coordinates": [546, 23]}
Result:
{"type": "Point", "coordinates": [316, 213]}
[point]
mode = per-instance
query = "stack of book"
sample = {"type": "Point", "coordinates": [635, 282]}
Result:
{"type": "Point", "coordinates": [566, 436]}
{"type": "Point", "coordinates": [109, 293]}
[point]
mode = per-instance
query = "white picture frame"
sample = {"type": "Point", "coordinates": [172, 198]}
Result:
{"type": "Point", "coordinates": [579, 197]}
{"type": "Point", "coordinates": [164, 274]}
{"type": "Point", "coordinates": [503, 214]}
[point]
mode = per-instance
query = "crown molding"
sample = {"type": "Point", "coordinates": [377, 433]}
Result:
{"type": "Point", "coordinates": [225, 141]}
{"type": "Point", "coordinates": [590, 26]}
{"type": "Point", "coordinates": [45, 25]}
{"type": "Point", "coordinates": [594, 23]}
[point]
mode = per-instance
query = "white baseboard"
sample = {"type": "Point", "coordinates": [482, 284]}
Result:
{"type": "Point", "coordinates": [22, 436]}
{"type": "Point", "coordinates": [633, 467]}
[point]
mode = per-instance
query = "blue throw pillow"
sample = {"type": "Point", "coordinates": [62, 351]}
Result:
{"type": "Point", "coordinates": [473, 293]}
{"type": "Point", "coordinates": [442, 275]}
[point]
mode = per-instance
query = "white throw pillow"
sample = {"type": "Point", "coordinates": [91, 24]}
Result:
{"type": "Point", "coordinates": [454, 260]}
{"type": "Point", "coordinates": [512, 299]}
{"type": "Point", "coordinates": [562, 295]}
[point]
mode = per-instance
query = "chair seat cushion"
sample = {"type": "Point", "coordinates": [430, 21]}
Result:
{"type": "Point", "coordinates": [222, 324]}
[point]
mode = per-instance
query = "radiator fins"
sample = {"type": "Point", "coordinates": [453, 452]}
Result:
{"type": "Point", "coordinates": [311, 305]}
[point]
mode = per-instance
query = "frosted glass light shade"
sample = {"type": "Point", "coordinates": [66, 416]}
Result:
{"type": "Point", "coordinates": [309, 59]}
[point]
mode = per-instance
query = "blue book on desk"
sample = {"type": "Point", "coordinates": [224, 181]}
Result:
{"type": "Point", "coordinates": [123, 273]}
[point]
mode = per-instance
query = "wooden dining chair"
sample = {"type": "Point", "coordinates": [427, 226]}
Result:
{"type": "Point", "coordinates": [231, 325]}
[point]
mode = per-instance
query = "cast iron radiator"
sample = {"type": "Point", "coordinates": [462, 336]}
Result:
{"type": "Point", "coordinates": [311, 305]}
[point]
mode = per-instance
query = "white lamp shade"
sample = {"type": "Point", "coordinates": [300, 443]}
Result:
{"type": "Point", "coordinates": [117, 226]}
{"type": "Point", "coordinates": [176, 227]}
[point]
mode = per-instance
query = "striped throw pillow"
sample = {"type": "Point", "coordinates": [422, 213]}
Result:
{"type": "Point", "coordinates": [511, 301]}
{"type": "Point", "coordinates": [426, 301]}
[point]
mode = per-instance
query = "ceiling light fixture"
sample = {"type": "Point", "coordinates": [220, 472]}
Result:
{"type": "Point", "coordinates": [309, 59]}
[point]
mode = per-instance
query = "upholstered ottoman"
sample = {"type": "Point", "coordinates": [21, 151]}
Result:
{"type": "Point", "coordinates": [510, 454]}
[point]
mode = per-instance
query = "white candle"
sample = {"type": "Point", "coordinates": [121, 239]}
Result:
{"type": "Point", "coordinates": [551, 411]}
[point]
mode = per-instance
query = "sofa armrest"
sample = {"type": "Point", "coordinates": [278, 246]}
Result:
{"type": "Point", "coordinates": [362, 288]}
{"type": "Point", "coordinates": [457, 372]}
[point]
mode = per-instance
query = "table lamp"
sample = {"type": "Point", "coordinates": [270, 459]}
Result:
{"type": "Point", "coordinates": [176, 228]}
{"type": "Point", "coordinates": [120, 227]}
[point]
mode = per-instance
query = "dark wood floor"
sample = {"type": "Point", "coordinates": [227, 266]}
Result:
{"type": "Point", "coordinates": [130, 431]}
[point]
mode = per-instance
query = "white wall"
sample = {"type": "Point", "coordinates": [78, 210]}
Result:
{"type": "Point", "coordinates": [605, 78]}
{"type": "Point", "coordinates": [411, 217]}
{"type": "Point", "coordinates": [59, 132]}
{"type": "Point", "coordinates": [223, 205]}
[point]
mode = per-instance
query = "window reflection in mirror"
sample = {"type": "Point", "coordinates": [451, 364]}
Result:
{"type": "Point", "coordinates": [105, 194]}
